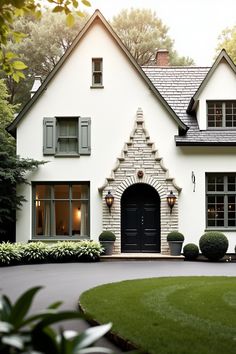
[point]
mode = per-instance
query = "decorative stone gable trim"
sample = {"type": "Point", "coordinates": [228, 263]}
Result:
{"type": "Point", "coordinates": [139, 155]}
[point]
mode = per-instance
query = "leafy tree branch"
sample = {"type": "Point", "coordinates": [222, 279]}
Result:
{"type": "Point", "coordinates": [10, 10]}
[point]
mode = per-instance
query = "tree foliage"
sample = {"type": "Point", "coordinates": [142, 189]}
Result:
{"type": "Point", "coordinates": [12, 167]}
{"type": "Point", "coordinates": [10, 10]}
{"type": "Point", "coordinates": [143, 33]}
{"type": "Point", "coordinates": [47, 40]}
{"type": "Point", "coordinates": [227, 41]}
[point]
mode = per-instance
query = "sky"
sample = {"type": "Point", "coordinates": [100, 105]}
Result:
{"type": "Point", "coordinates": [193, 24]}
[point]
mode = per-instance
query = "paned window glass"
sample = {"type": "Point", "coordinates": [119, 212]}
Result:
{"type": "Point", "coordinates": [67, 135]}
{"type": "Point", "coordinates": [97, 71]}
{"type": "Point", "coordinates": [221, 200]}
{"type": "Point", "coordinates": [61, 210]}
{"type": "Point", "coordinates": [221, 114]}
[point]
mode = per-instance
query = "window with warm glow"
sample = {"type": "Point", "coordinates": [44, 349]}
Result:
{"type": "Point", "coordinates": [221, 114]}
{"type": "Point", "coordinates": [221, 200]}
{"type": "Point", "coordinates": [61, 210]}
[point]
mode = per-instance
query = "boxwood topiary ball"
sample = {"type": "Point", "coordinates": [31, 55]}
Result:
{"type": "Point", "coordinates": [175, 236]}
{"type": "Point", "coordinates": [213, 245]}
{"type": "Point", "coordinates": [107, 236]}
{"type": "Point", "coordinates": [191, 251]}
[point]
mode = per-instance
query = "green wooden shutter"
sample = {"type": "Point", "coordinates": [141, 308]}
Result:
{"type": "Point", "coordinates": [84, 136]}
{"type": "Point", "coordinates": [49, 136]}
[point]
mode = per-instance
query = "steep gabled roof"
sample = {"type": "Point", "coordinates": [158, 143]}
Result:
{"type": "Point", "coordinates": [223, 55]}
{"type": "Point", "coordinates": [177, 84]}
{"type": "Point", "coordinates": [95, 17]}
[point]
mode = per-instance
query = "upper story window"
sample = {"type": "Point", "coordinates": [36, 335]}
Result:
{"type": "Point", "coordinates": [97, 80]}
{"type": "Point", "coordinates": [221, 114]}
{"type": "Point", "coordinates": [221, 200]}
{"type": "Point", "coordinates": [67, 136]}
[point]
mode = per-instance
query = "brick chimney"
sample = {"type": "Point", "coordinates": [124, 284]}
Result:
{"type": "Point", "coordinates": [162, 57]}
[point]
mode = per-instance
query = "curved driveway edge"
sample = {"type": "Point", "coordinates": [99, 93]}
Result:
{"type": "Point", "coordinates": [66, 281]}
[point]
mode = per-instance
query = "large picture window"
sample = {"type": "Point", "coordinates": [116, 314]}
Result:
{"type": "Point", "coordinates": [221, 114]}
{"type": "Point", "coordinates": [61, 210]}
{"type": "Point", "coordinates": [221, 200]}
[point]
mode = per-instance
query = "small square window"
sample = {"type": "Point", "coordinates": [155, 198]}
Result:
{"type": "Point", "coordinates": [97, 79]}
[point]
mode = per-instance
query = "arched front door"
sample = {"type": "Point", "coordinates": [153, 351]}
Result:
{"type": "Point", "coordinates": [140, 219]}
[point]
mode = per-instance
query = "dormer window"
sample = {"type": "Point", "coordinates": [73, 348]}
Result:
{"type": "Point", "coordinates": [97, 80]}
{"type": "Point", "coordinates": [221, 114]}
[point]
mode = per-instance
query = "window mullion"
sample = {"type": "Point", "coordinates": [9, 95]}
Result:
{"type": "Point", "coordinates": [225, 211]}
{"type": "Point", "coordinates": [52, 214]}
{"type": "Point", "coordinates": [223, 115]}
{"type": "Point", "coordinates": [70, 210]}
{"type": "Point", "coordinates": [34, 210]}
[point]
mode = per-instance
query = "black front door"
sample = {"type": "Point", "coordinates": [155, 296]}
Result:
{"type": "Point", "coordinates": [140, 219]}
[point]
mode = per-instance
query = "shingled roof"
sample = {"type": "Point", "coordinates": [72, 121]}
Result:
{"type": "Point", "coordinates": [178, 85]}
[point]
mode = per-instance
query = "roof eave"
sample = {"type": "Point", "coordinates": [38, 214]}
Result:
{"type": "Point", "coordinates": [204, 143]}
{"type": "Point", "coordinates": [194, 99]}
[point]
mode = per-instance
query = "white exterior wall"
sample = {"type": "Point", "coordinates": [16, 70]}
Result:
{"type": "Point", "coordinates": [112, 111]}
{"type": "Point", "coordinates": [221, 86]}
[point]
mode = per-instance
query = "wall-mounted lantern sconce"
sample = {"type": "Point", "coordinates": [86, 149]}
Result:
{"type": "Point", "coordinates": [171, 199]}
{"type": "Point", "coordinates": [194, 181]}
{"type": "Point", "coordinates": [109, 198]}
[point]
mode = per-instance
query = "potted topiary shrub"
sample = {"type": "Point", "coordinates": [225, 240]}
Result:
{"type": "Point", "coordinates": [191, 251]}
{"type": "Point", "coordinates": [107, 240]}
{"type": "Point", "coordinates": [213, 245]}
{"type": "Point", "coordinates": [175, 240]}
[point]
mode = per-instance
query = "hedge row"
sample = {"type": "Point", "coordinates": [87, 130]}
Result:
{"type": "Point", "coordinates": [39, 252]}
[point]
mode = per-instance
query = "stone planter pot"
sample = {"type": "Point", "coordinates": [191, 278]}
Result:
{"type": "Point", "coordinates": [175, 247]}
{"type": "Point", "coordinates": [108, 247]}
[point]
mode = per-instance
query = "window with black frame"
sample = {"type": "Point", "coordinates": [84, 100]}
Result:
{"type": "Point", "coordinates": [221, 114]}
{"type": "Point", "coordinates": [61, 210]}
{"type": "Point", "coordinates": [221, 200]}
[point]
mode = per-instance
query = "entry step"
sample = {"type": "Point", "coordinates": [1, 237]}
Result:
{"type": "Point", "coordinates": [141, 257]}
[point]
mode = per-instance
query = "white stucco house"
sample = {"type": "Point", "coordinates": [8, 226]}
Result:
{"type": "Point", "coordinates": [104, 124]}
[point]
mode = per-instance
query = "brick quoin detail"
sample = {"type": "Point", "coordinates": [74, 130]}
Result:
{"type": "Point", "coordinates": [139, 154]}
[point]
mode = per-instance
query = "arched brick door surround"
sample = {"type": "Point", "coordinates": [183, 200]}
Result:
{"type": "Point", "coordinates": [140, 154]}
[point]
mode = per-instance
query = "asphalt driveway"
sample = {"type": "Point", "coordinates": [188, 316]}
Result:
{"type": "Point", "coordinates": [67, 281]}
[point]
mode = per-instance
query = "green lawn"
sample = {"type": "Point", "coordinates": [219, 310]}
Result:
{"type": "Point", "coordinates": [169, 315]}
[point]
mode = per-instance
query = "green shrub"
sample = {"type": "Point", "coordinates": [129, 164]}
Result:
{"type": "Point", "coordinates": [107, 236]}
{"type": "Point", "coordinates": [10, 253]}
{"type": "Point", "coordinates": [175, 236]}
{"type": "Point", "coordinates": [23, 333]}
{"type": "Point", "coordinates": [39, 252]}
{"type": "Point", "coordinates": [191, 251]}
{"type": "Point", "coordinates": [89, 251]}
{"type": "Point", "coordinates": [35, 252]}
{"type": "Point", "coordinates": [63, 251]}
{"type": "Point", "coordinates": [213, 245]}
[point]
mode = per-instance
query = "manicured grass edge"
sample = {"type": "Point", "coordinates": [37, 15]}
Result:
{"type": "Point", "coordinates": [121, 342]}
